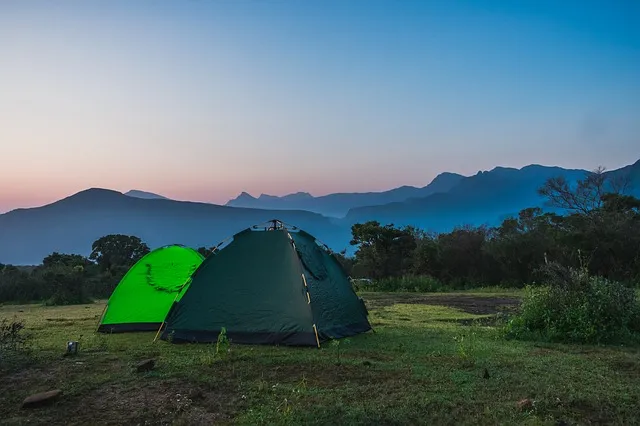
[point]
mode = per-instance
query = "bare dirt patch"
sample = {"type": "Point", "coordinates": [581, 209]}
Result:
{"type": "Point", "coordinates": [479, 305]}
{"type": "Point", "coordinates": [157, 402]}
{"type": "Point", "coordinates": [146, 401]}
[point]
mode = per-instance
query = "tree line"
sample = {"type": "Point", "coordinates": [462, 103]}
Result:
{"type": "Point", "coordinates": [72, 278]}
{"type": "Point", "coordinates": [599, 231]}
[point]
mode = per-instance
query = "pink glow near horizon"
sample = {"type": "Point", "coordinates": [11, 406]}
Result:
{"type": "Point", "coordinates": [203, 100]}
{"type": "Point", "coordinates": [34, 194]}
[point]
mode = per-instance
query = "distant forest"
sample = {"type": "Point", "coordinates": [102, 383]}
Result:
{"type": "Point", "coordinates": [600, 233]}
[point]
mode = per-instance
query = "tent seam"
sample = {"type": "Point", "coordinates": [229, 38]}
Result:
{"type": "Point", "coordinates": [304, 281]}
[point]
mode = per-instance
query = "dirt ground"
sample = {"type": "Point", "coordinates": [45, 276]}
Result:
{"type": "Point", "coordinates": [473, 304]}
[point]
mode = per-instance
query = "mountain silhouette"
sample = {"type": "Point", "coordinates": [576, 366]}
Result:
{"type": "Point", "coordinates": [73, 223]}
{"type": "Point", "coordinates": [486, 198]}
{"type": "Point", "coordinates": [144, 194]}
{"type": "Point", "coordinates": [337, 205]}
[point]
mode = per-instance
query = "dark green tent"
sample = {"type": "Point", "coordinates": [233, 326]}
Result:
{"type": "Point", "coordinates": [269, 286]}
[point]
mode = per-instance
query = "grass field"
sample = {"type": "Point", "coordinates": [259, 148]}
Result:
{"type": "Point", "coordinates": [425, 364]}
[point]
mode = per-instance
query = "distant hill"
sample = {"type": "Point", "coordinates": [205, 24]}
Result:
{"type": "Point", "coordinates": [337, 205]}
{"type": "Point", "coordinates": [143, 194]}
{"type": "Point", "coordinates": [483, 199]}
{"type": "Point", "coordinates": [72, 224]}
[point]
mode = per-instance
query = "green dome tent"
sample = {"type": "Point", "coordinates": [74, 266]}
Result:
{"type": "Point", "coordinates": [143, 297]}
{"type": "Point", "coordinates": [268, 286]}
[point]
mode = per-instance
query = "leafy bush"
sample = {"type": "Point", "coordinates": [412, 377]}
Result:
{"type": "Point", "coordinates": [576, 307]}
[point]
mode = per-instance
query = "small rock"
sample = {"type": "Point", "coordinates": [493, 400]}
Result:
{"type": "Point", "coordinates": [366, 363]}
{"type": "Point", "coordinates": [146, 365]}
{"type": "Point", "coordinates": [40, 399]}
{"type": "Point", "coordinates": [525, 404]}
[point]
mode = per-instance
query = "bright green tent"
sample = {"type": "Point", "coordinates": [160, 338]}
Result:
{"type": "Point", "coordinates": [274, 286]}
{"type": "Point", "coordinates": [143, 297]}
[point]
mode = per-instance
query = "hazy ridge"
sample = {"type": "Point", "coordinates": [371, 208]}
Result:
{"type": "Point", "coordinates": [70, 225]}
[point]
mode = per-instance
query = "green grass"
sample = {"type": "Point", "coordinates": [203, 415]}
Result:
{"type": "Point", "coordinates": [422, 365]}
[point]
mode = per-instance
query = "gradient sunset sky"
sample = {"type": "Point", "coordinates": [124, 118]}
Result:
{"type": "Point", "coordinates": [203, 99]}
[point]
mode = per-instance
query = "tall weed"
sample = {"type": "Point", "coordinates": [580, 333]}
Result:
{"type": "Point", "coordinates": [14, 343]}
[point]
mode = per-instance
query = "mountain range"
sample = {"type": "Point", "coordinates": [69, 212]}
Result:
{"type": "Point", "coordinates": [338, 205]}
{"type": "Point", "coordinates": [144, 194]}
{"type": "Point", "coordinates": [71, 225]}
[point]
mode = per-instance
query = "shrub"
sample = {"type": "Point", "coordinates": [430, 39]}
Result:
{"type": "Point", "coordinates": [576, 307]}
{"type": "Point", "coordinates": [11, 337]}
{"type": "Point", "coordinates": [13, 343]}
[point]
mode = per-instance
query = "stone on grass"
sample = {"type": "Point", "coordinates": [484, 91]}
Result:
{"type": "Point", "coordinates": [41, 399]}
{"type": "Point", "coordinates": [146, 365]}
{"type": "Point", "coordinates": [525, 404]}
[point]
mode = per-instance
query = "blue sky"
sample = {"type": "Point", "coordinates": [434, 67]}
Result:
{"type": "Point", "coordinates": [202, 99]}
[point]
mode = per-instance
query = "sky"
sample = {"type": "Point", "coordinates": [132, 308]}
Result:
{"type": "Point", "coordinates": [202, 99]}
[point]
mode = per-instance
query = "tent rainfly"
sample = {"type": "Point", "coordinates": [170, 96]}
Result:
{"type": "Point", "coordinates": [268, 286]}
{"type": "Point", "coordinates": [143, 297]}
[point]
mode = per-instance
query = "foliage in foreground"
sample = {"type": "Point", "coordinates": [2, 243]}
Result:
{"type": "Point", "coordinates": [13, 341]}
{"type": "Point", "coordinates": [578, 308]}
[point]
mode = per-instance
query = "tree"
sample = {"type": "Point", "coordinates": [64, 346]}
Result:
{"type": "Point", "coordinates": [603, 228]}
{"type": "Point", "coordinates": [588, 193]}
{"type": "Point", "coordinates": [67, 285]}
{"type": "Point", "coordinates": [383, 251]}
{"type": "Point", "coordinates": [118, 250]}
{"type": "Point", "coordinates": [610, 240]}
{"type": "Point", "coordinates": [61, 259]}
{"type": "Point", "coordinates": [522, 244]}
{"type": "Point", "coordinates": [426, 258]}
{"type": "Point", "coordinates": [346, 262]}
{"type": "Point", "coordinates": [463, 258]}
{"type": "Point", "coordinates": [619, 203]}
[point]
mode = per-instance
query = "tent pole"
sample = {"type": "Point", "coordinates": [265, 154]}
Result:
{"type": "Point", "coordinates": [315, 330]}
{"type": "Point", "coordinates": [158, 333]}
{"type": "Point", "coordinates": [304, 281]}
{"type": "Point", "coordinates": [173, 303]}
{"type": "Point", "coordinates": [104, 311]}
